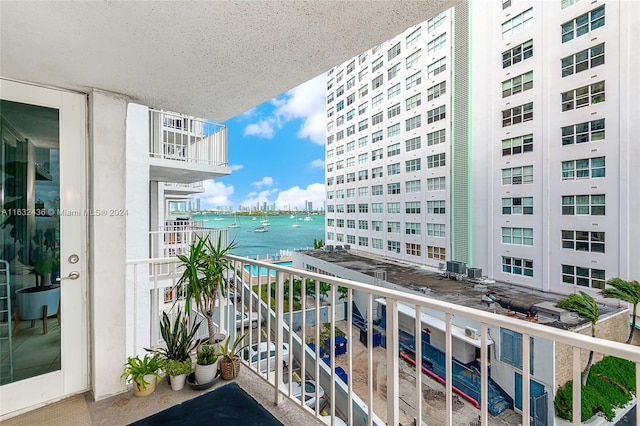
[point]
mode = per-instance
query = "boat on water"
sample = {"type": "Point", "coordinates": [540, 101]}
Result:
{"type": "Point", "coordinates": [219, 218]}
{"type": "Point", "coordinates": [292, 217]}
{"type": "Point", "coordinates": [235, 223]}
{"type": "Point", "coordinates": [261, 229]}
{"type": "Point", "coordinates": [253, 218]}
{"type": "Point", "coordinates": [296, 225]}
{"type": "Point", "coordinates": [308, 218]}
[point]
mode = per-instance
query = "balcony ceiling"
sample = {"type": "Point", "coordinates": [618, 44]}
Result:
{"type": "Point", "coordinates": [213, 59]}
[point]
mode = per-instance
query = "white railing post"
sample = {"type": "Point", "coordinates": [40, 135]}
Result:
{"type": "Point", "coordinates": [484, 375]}
{"type": "Point", "coordinates": [370, 357]}
{"type": "Point", "coordinates": [278, 327]}
{"type": "Point", "coordinates": [418, 351]}
{"type": "Point", "coordinates": [448, 364]}
{"type": "Point", "coordinates": [526, 377]}
{"type": "Point", "coordinates": [393, 382]}
{"type": "Point", "coordinates": [577, 383]}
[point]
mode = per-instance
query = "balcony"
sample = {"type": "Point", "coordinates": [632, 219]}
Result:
{"type": "Point", "coordinates": [177, 235]}
{"type": "Point", "coordinates": [184, 149]}
{"type": "Point", "coordinates": [172, 188]}
{"type": "Point", "coordinates": [390, 395]}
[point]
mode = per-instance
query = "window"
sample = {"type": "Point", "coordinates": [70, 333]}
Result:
{"type": "Point", "coordinates": [339, 237]}
{"type": "Point", "coordinates": [362, 74]}
{"type": "Point", "coordinates": [363, 208]}
{"type": "Point", "coordinates": [412, 165]}
{"type": "Point", "coordinates": [340, 106]}
{"type": "Point", "coordinates": [517, 84]}
{"type": "Point", "coordinates": [436, 207]}
{"type": "Point", "coordinates": [582, 24]}
{"type": "Point", "coordinates": [377, 64]}
{"type": "Point", "coordinates": [363, 158]}
{"type": "Point", "coordinates": [377, 208]}
{"type": "Point", "coordinates": [583, 60]}
{"type": "Point", "coordinates": [436, 137]}
{"type": "Point", "coordinates": [340, 120]}
{"type": "Point", "coordinates": [413, 102]}
{"type": "Point", "coordinates": [516, 266]}
{"type": "Point", "coordinates": [412, 207]}
{"type": "Point", "coordinates": [330, 82]}
{"type": "Point", "coordinates": [393, 188]}
{"type": "Point", "coordinates": [436, 253]}
{"type": "Point", "coordinates": [330, 208]}
{"type": "Point", "coordinates": [377, 82]}
{"type": "Point", "coordinates": [413, 122]}
{"type": "Point", "coordinates": [339, 91]}
{"type": "Point", "coordinates": [436, 230]}
{"type": "Point", "coordinates": [393, 246]}
{"type": "Point", "coordinates": [376, 172]}
{"type": "Point", "coordinates": [393, 227]}
{"type": "Point", "coordinates": [393, 169]}
{"type": "Point", "coordinates": [351, 208]}
{"type": "Point", "coordinates": [437, 67]}
{"type": "Point", "coordinates": [330, 181]}
{"type": "Point", "coordinates": [517, 145]}
{"type": "Point", "coordinates": [329, 195]}
{"type": "Point", "coordinates": [351, 177]}
{"type": "Point", "coordinates": [517, 205]}
{"type": "Point", "coordinates": [412, 186]}
{"type": "Point", "coordinates": [583, 241]}
{"type": "Point", "coordinates": [376, 154]}
{"type": "Point", "coordinates": [511, 348]}
{"type": "Point", "coordinates": [517, 175]}
{"type": "Point", "coordinates": [584, 277]}
{"type": "Point", "coordinates": [329, 167]}
{"type": "Point", "coordinates": [363, 91]}
{"type": "Point", "coordinates": [413, 80]}
{"type": "Point", "coordinates": [351, 161]}
{"type": "Point", "coordinates": [519, 53]}
{"type": "Point", "coordinates": [567, 3]}
{"type": "Point", "coordinates": [363, 175]}
{"type": "Point", "coordinates": [413, 59]}
{"type": "Point", "coordinates": [393, 207]}
{"type": "Point", "coordinates": [517, 23]}
{"type": "Point", "coordinates": [412, 144]}
{"type": "Point", "coordinates": [393, 71]}
{"type": "Point", "coordinates": [393, 130]}
{"type": "Point", "coordinates": [583, 132]}
{"type": "Point", "coordinates": [393, 110]}
{"type": "Point", "coordinates": [517, 115]}
{"type": "Point", "coordinates": [363, 191]}
{"type": "Point", "coordinates": [436, 91]}
{"type": "Point", "coordinates": [436, 21]}
{"type": "Point", "coordinates": [393, 52]}
{"type": "Point", "coordinates": [394, 91]}
{"type": "Point", "coordinates": [340, 194]}
{"type": "Point", "coordinates": [377, 118]}
{"type": "Point", "coordinates": [436, 44]}
{"type": "Point", "coordinates": [413, 249]}
{"type": "Point", "coordinates": [377, 225]}
{"type": "Point", "coordinates": [351, 239]}
{"type": "Point", "coordinates": [436, 114]}
{"type": "Point", "coordinates": [437, 160]}
{"type": "Point", "coordinates": [583, 96]}
{"type": "Point", "coordinates": [330, 98]}
{"type": "Point", "coordinates": [376, 48]}
{"type": "Point", "coordinates": [376, 100]}
{"type": "Point", "coordinates": [340, 150]}
{"type": "Point", "coordinates": [351, 130]}
{"type": "Point", "coordinates": [362, 58]}
{"type": "Point", "coordinates": [583, 169]}
{"type": "Point", "coordinates": [363, 241]}
{"type": "Point", "coordinates": [362, 142]}
{"type": "Point", "coordinates": [377, 243]}
{"type": "Point", "coordinates": [351, 99]}
{"type": "Point", "coordinates": [363, 125]}
{"type": "Point", "coordinates": [351, 66]}
{"type": "Point", "coordinates": [340, 179]}
{"type": "Point", "coordinates": [414, 38]}
{"type": "Point", "coordinates": [377, 136]}
{"type": "Point", "coordinates": [351, 82]}
{"type": "Point", "coordinates": [339, 164]}
{"type": "Point", "coordinates": [340, 209]}
{"type": "Point", "coordinates": [393, 149]}
{"type": "Point", "coordinates": [340, 76]}
{"type": "Point", "coordinates": [331, 222]}
{"type": "Point", "coordinates": [330, 112]}
{"type": "Point", "coordinates": [330, 126]}
{"type": "Point", "coordinates": [583, 205]}
{"type": "Point", "coordinates": [437, 184]}
{"type": "Point", "coordinates": [517, 236]}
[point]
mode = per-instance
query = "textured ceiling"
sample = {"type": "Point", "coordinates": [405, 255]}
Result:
{"type": "Point", "coordinates": [209, 59]}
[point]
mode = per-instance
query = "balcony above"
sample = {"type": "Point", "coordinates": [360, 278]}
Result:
{"type": "Point", "coordinates": [184, 149]}
{"type": "Point", "coordinates": [183, 188]}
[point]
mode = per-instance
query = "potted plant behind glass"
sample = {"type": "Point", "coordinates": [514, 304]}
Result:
{"type": "Point", "coordinates": [206, 364]}
{"type": "Point", "coordinates": [143, 372]}
{"type": "Point", "coordinates": [230, 361]}
{"type": "Point", "coordinates": [204, 275]}
{"type": "Point", "coordinates": [177, 371]}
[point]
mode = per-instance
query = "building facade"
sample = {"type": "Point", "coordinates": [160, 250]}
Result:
{"type": "Point", "coordinates": [496, 134]}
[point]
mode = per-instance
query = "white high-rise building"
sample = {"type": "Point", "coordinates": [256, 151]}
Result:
{"type": "Point", "coordinates": [499, 134]}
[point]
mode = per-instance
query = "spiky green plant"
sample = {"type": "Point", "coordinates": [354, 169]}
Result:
{"type": "Point", "coordinates": [628, 291]}
{"type": "Point", "coordinates": [178, 336]}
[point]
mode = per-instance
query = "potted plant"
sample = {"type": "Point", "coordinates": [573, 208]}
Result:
{"type": "Point", "coordinates": [178, 371]}
{"type": "Point", "coordinates": [230, 361]}
{"type": "Point", "coordinates": [143, 372]}
{"type": "Point", "coordinates": [206, 364]}
{"type": "Point", "coordinates": [178, 337]}
{"type": "Point", "coordinates": [205, 269]}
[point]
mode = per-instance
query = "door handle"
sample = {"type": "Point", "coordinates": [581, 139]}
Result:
{"type": "Point", "coordinates": [73, 275]}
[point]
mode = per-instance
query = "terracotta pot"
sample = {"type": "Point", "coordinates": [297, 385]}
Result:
{"type": "Point", "coordinates": [177, 382]}
{"type": "Point", "coordinates": [229, 369]}
{"type": "Point", "coordinates": [149, 389]}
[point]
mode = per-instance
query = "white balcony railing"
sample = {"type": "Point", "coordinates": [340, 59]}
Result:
{"type": "Point", "coordinates": [287, 326]}
{"type": "Point", "coordinates": [182, 138]}
{"type": "Point", "coordinates": [185, 187]}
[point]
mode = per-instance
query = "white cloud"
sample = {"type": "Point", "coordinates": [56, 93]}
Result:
{"type": "Point", "coordinates": [254, 198]}
{"type": "Point", "coordinates": [317, 164]}
{"type": "Point", "coordinates": [235, 167]}
{"type": "Point", "coordinates": [295, 197]}
{"type": "Point", "coordinates": [215, 194]}
{"type": "Point", "coordinates": [266, 181]}
{"type": "Point", "coordinates": [263, 129]}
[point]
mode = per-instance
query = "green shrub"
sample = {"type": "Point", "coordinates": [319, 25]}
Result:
{"type": "Point", "coordinates": [621, 371]}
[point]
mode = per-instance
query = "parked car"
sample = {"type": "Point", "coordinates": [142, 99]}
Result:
{"type": "Point", "coordinates": [266, 354]}
{"type": "Point", "coordinates": [309, 394]}
{"type": "Point", "coordinates": [243, 320]}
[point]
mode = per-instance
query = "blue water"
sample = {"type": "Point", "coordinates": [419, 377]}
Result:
{"type": "Point", "coordinates": [281, 236]}
{"type": "Point", "coordinates": [263, 271]}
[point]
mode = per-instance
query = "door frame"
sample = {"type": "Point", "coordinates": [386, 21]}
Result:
{"type": "Point", "coordinates": [73, 377]}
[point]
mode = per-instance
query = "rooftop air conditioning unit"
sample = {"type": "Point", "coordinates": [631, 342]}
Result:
{"type": "Point", "coordinates": [347, 247]}
{"type": "Point", "coordinates": [471, 332]}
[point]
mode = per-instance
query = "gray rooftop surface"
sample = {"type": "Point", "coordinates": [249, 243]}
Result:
{"type": "Point", "coordinates": [434, 285]}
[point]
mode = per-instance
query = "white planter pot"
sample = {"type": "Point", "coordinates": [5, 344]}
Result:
{"type": "Point", "coordinates": [177, 382]}
{"type": "Point", "coordinates": [206, 373]}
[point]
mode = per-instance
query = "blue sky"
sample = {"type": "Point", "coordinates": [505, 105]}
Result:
{"type": "Point", "coordinates": [276, 152]}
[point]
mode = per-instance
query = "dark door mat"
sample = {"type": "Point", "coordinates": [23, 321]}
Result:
{"type": "Point", "coordinates": [228, 405]}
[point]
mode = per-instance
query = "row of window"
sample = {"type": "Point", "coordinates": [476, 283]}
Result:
{"type": "Point", "coordinates": [411, 207]}
{"type": "Point", "coordinates": [412, 144]}
{"type": "Point", "coordinates": [415, 164]}
{"type": "Point", "coordinates": [574, 240]}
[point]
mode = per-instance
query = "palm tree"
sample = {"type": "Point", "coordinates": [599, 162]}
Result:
{"type": "Point", "coordinates": [629, 291]}
{"type": "Point", "coordinates": [585, 306]}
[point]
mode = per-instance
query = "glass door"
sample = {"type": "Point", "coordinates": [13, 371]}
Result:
{"type": "Point", "coordinates": [43, 341]}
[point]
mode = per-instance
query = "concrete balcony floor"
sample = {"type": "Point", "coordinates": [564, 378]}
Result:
{"type": "Point", "coordinates": [123, 409]}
